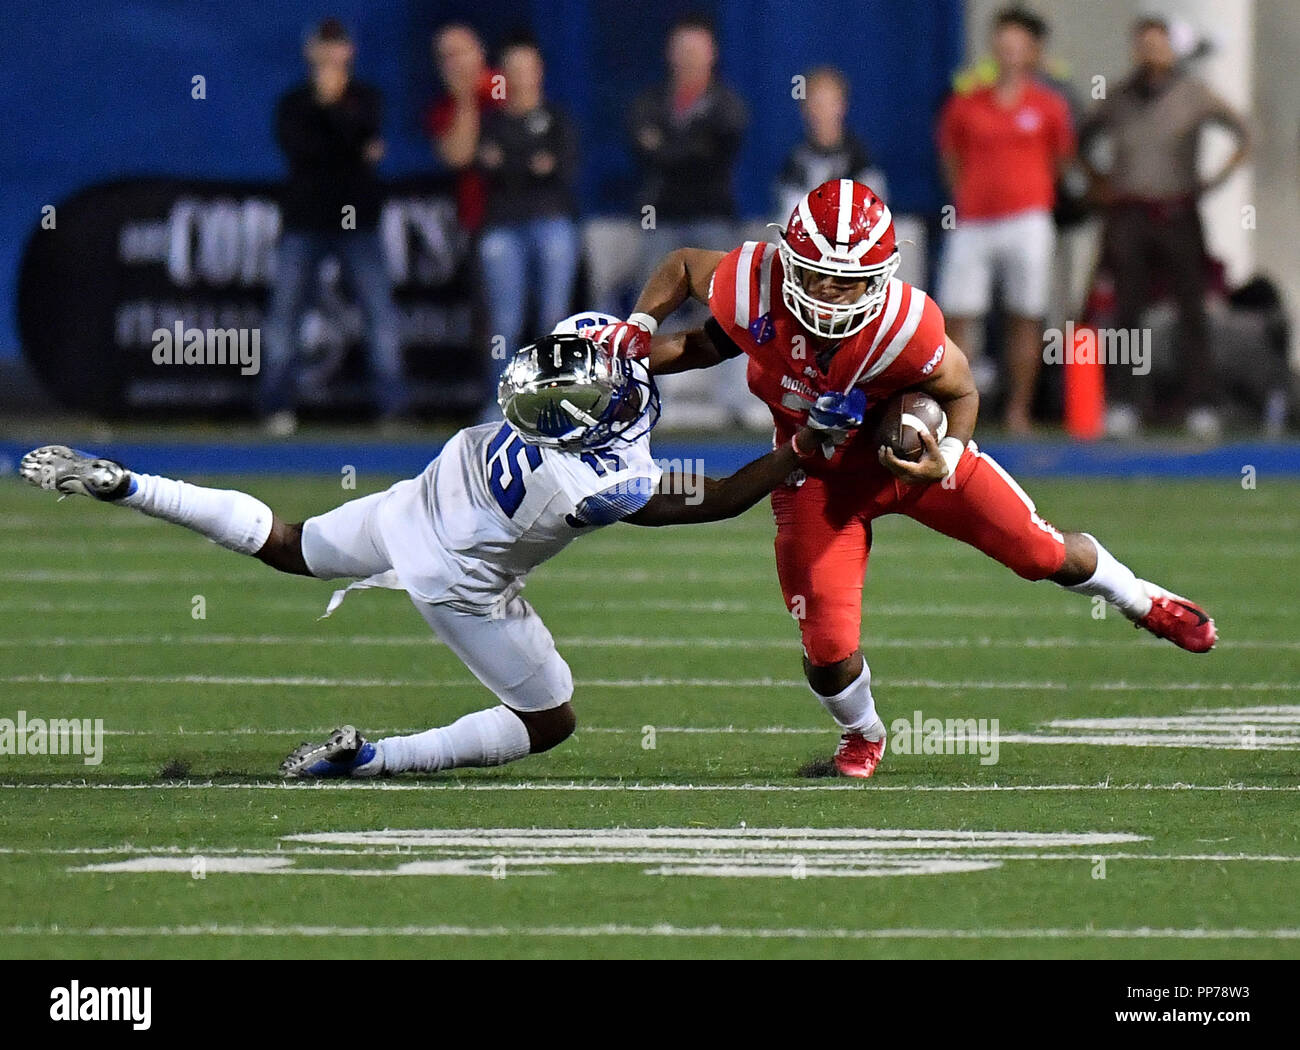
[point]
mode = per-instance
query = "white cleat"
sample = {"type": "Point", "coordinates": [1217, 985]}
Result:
{"type": "Point", "coordinates": [71, 473]}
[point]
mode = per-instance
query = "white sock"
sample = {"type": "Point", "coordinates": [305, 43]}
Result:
{"type": "Point", "coordinates": [1115, 582]}
{"type": "Point", "coordinates": [854, 709]}
{"type": "Point", "coordinates": [485, 738]}
{"type": "Point", "coordinates": [236, 520]}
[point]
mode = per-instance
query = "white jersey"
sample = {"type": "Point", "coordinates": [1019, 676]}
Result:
{"type": "Point", "coordinates": [492, 507]}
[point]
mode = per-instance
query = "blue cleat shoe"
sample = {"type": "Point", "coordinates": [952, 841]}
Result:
{"type": "Point", "coordinates": [346, 753]}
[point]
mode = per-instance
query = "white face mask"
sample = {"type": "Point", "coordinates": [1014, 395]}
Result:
{"type": "Point", "coordinates": [834, 320]}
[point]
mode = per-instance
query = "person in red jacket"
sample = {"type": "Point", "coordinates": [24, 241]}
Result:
{"type": "Point", "coordinates": [452, 122]}
{"type": "Point", "coordinates": [1002, 149]}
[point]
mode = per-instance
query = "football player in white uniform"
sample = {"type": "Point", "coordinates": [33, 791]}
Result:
{"type": "Point", "coordinates": [500, 498]}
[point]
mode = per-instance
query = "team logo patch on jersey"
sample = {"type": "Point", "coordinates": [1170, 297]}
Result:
{"type": "Point", "coordinates": [762, 329]}
{"type": "Point", "coordinates": [930, 364]}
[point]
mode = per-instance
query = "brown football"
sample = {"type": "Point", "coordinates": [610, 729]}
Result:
{"type": "Point", "coordinates": [904, 415]}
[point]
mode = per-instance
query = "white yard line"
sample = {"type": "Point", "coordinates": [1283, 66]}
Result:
{"type": "Point", "coordinates": [667, 930]}
{"type": "Point", "coordinates": [188, 853]}
{"type": "Point", "coordinates": [644, 683]}
{"type": "Point", "coordinates": [603, 642]}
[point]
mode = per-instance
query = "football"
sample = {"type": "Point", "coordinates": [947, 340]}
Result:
{"type": "Point", "coordinates": [906, 415]}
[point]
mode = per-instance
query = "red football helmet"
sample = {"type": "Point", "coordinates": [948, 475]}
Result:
{"type": "Point", "coordinates": [843, 229]}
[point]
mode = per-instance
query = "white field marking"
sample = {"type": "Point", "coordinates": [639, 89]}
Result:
{"type": "Point", "coordinates": [742, 547]}
{"type": "Point", "coordinates": [642, 577]}
{"type": "Point", "coordinates": [1204, 741]}
{"type": "Point", "coordinates": [1071, 610]}
{"type": "Point", "coordinates": [29, 523]}
{"type": "Point", "coordinates": [778, 838]}
{"type": "Point", "coordinates": [188, 853]}
{"type": "Point", "coordinates": [1286, 715]}
{"type": "Point", "coordinates": [833, 785]}
{"type": "Point", "coordinates": [1275, 728]}
{"type": "Point", "coordinates": [846, 867]}
{"type": "Point", "coordinates": [1227, 735]}
{"type": "Point", "coordinates": [710, 852]}
{"type": "Point", "coordinates": [212, 865]}
{"type": "Point", "coordinates": [144, 576]}
{"type": "Point", "coordinates": [117, 577]}
{"type": "Point", "coordinates": [668, 930]}
{"type": "Point", "coordinates": [600, 642]}
{"type": "Point", "coordinates": [307, 606]}
{"type": "Point", "coordinates": [640, 683]}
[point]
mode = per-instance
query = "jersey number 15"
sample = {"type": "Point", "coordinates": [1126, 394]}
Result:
{"type": "Point", "coordinates": [509, 461]}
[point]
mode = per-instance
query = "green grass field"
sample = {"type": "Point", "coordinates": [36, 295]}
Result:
{"type": "Point", "coordinates": [674, 823]}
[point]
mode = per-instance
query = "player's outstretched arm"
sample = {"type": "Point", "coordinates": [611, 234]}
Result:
{"type": "Point", "coordinates": [830, 422]}
{"type": "Point", "coordinates": [701, 499]}
{"type": "Point", "coordinates": [683, 352]}
{"type": "Point", "coordinates": [682, 274]}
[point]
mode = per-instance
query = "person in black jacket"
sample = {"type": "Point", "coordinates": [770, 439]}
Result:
{"type": "Point", "coordinates": [528, 155]}
{"type": "Point", "coordinates": [828, 150]}
{"type": "Point", "coordinates": [329, 131]}
{"type": "Point", "coordinates": [687, 134]}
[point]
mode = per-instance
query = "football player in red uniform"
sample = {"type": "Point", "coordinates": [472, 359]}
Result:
{"type": "Point", "coordinates": [822, 312]}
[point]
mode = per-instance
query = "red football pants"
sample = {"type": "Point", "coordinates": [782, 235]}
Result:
{"type": "Point", "coordinates": [823, 539]}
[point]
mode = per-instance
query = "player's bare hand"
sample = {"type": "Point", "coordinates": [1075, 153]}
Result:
{"type": "Point", "coordinates": [930, 467]}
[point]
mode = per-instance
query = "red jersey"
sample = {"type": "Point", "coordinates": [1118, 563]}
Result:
{"type": "Point", "coordinates": [1007, 156]}
{"type": "Point", "coordinates": [899, 349]}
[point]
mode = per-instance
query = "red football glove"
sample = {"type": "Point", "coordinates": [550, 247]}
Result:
{"type": "Point", "coordinates": [628, 338]}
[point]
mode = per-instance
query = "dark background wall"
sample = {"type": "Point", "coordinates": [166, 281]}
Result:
{"type": "Point", "coordinates": [91, 90]}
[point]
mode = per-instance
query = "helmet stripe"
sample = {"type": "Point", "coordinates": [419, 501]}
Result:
{"type": "Point", "coordinates": [878, 230]}
{"type": "Point", "coordinates": [744, 267]}
{"type": "Point", "coordinates": [844, 225]}
{"type": "Point", "coordinates": [810, 228]}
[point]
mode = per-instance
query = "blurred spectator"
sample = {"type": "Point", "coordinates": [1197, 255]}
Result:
{"type": "Point", "coordinates": [329, 130]}
{"type": "Point", "coordinates": [829, 150]}
{"type": "Point", "coordinates": [528, 154]}
{"type": "Point", "coordinates": [1002, 149]}
{"type": "Point", "coordinates": [452, 122]}
{"type": "Point", "coordinates": [686, 134]}
{"type": "Point", "coordinates": [1152, 123]}
{"type": "Point", "coordinates": [1072, 206]}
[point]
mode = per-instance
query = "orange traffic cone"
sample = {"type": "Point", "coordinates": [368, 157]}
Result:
{"type": "Point", "coordinates": [1085, 387]}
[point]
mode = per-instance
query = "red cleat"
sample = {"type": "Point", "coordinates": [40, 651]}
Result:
{"type": "Point", "coordinates": [857, 756]}
{"type": "Point", "coordinates": [1182, 622]}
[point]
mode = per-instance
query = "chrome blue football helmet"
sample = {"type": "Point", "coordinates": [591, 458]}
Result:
{"type": "Point", "coordinates": [566, 391]}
